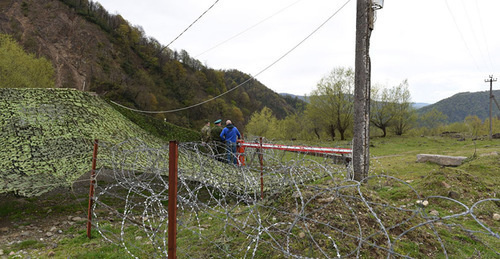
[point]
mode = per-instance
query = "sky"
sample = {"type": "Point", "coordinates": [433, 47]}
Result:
{"type": "Point", "coordinates": [442, 47]}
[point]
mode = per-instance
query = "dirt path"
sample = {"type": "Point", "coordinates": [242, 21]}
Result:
{"type": "Point", "coordinates": [43, 221]}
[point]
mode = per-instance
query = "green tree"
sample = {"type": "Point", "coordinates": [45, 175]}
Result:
{"type": "Point", "coordinates": [319, 113]}
{"type": "Point", "coordinates": [432, 119]}
{"type": "Point", "coordinates": [495, 123]}
{"type": "Point", "coordinates": [405, 115]}
{"type": "Point", "coordinates": [382, 108]}
{"type": "Point", "coordinates": [456, 127]}
{"type": "Point", "coordinates": [474, 124]}
{"type": "Point", "coordinates": [19, 69]}
{"type": "Point", "coordinates": [332, 102]}
{"type": "Point", "coordinates": [263, 124]}
{"type": "Point", "coordinates": [291, 127]}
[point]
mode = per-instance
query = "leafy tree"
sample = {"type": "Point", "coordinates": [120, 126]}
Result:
{"type": "Point", "coordinates": [291, 127]}
{"type": "Point", "coordinates": [474, 124]}
{"type": "Point", "coordinates": [456, 127]}
{"type": "Point", "coordinates": [332, 102]}
{"type": "Point", "coordinates": [19, 69]}
{"type": "Point", "coordinates": [382, 108]}
{"type": "Point", "coordinates": [432, 119]}
{"type": "Point", "coordinates": [236, 117]}
{"type": "Point", "coordinates": [405, 114]}
{"type": "Point", "coordinates": [495, 123]}
{"type": "Point", "coordinates": [319, 113]}
{"type": "Point", "coordinates": [135, 70]}
{"type": "Point", "coordinates": [263, 124]}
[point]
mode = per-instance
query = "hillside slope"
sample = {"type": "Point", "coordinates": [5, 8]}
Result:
{"type": "Point", "coordinates": [93, 50]}
{"type": "Point", "coordinates": [461, 105]}
{"type": "Point", "coordinates": [47, 137]}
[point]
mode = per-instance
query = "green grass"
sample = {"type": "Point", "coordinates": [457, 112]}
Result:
{"type": "Point", "coordinates": [82, 247]}
{"type": "Point", "coordinates": [476, 179]}
{"type": "Point", "coordinates": [28, 244]}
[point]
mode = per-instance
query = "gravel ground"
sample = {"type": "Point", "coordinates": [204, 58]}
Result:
{"type": "Point", "coordinates": [46, 219]}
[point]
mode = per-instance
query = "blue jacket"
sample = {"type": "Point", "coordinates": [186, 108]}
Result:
{"type": "Point", "coordinates": [229, 133]}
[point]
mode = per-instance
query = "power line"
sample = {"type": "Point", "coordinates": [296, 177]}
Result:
{"type": "Point", "coordinates": [247, 29]}
{"type": "Point", "coordinates": [472, 30]}
{"type": "Point", "coordinates": [484, 36]}
{"type": "Point", "coordinates": [462, 35]}
{"type": "Point", "coordinates": [249, 79]}
{"type": "Point", "coordinates": [178, 36]}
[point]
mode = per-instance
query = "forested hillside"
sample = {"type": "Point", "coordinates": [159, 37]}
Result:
{"type": "Point", "coordinates": [461, 105]}
{"type": "Point", "coordinates": [92, 50]}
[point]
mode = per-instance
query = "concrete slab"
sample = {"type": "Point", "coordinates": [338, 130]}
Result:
{"type": "Point", "coordinates": [441, 160]}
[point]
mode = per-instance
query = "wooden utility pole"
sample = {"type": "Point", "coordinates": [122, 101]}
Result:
{"type": "Point", "coordinates": [361, 138]}
{"type": "Point", "coordinates": [491, 80]}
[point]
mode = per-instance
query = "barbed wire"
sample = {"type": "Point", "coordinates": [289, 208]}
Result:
{"type": "Point", "coordinates": [309, 210]}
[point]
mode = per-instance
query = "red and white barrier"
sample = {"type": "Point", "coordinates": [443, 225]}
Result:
{"type": "Point", "coordinates": [321, 150]}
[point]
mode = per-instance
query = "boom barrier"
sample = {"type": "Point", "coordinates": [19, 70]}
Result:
{"type": "Point", "coordinates": [319, 150]}
{"type": "Point", "coordinates": [344, 153]}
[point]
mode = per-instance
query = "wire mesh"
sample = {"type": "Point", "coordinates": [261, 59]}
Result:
{"type": "Point", "coordinates": [310, 207]}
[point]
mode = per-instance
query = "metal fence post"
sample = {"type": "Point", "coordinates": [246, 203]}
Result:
{"type": "Point", "coordinates": [172, 199]}
{"type": "Point", "coordinates": [91, 191]}
{"type": "Point", "coordinates": [261, 171]}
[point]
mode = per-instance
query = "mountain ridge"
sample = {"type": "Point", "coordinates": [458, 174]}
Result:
{"type": "Point", "coordinates": [93, 50]}
{"type": "Point", "coordinates": [464, 104]}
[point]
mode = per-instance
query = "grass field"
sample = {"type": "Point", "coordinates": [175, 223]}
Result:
{"type": "Point", "coordinates": [475, 180]}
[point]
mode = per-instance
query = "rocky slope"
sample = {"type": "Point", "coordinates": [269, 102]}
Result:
{"type": "Point", "coordinates": [52, 29]}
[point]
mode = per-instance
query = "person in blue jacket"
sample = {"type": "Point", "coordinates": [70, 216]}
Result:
{"type": "Point", "coordinates": [230, 134]}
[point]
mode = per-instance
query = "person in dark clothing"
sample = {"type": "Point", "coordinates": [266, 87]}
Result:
{"type": "Point", "coordinates": [206, 132]}
{"type": "Point", "coordinates": [217, 144]}
{"type": "Point", "coordinates": [216, 130]}
{"type": "Point", "coordinates": [230, 134]}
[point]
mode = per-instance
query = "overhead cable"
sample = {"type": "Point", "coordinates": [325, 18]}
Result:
{"type": "Point", "coordinates": [178, 36]}
{"type": "Point", "coordinates": [462, 36]}
{"type": "Point", "coordinates": [472, 30]}
{"type": "Point", "coordinates": [488, 52]}
{"type": "Point", "coordinates": [247, 29]}
{"type": "Point", "coordinates": [251, 77]}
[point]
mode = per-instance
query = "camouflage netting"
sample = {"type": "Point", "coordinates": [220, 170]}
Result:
{"type": "Point", "coordinates": [47, 137]}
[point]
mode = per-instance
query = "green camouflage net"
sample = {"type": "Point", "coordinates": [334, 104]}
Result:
{"type": "Point", "coordinates": [47, 137]}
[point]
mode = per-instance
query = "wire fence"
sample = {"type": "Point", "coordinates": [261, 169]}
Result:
{"type": "Point", "coordinates": [309, 208]}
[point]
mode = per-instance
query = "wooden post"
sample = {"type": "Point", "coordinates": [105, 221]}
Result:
{"type": "Point", "coordinates": [361, 138]}
{"type": "Point", "coordinates": [91, 191]}
{"type": "Point", "coordinates": [172, 199]}
{"type": "Point", "coordinates": [491, 80]}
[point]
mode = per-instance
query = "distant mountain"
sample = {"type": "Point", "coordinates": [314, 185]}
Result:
{"type": "Point", "coordinates": [300, 97]}
{"type": "Point", "coordinates": [419, 105]}
{"type": "Point", "coordinates": [304, 98]}
{"type": "Point", "coordinates": [296, 101]}
{"type": "Point", "coordinates": [461, 105]}
{"type": "Point", "coordinates": [456, 107]}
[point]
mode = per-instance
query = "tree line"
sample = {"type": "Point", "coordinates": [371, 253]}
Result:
{"type": "Point", "coordinates": [143, 74]}
{"type": "Point", "coordinates": [153, 77]}
{"type": "Point", "coordinates": [19, 69]}
{"type": "Point", "coordinates": [330, 108]}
